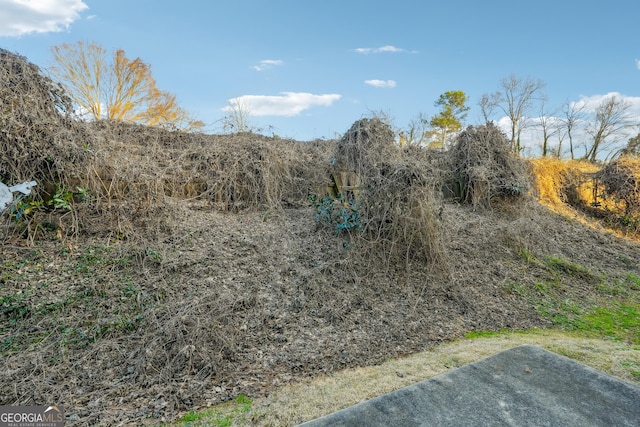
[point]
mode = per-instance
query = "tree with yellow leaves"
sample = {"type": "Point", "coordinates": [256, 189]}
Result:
{"type": "Point", "coordinates": [123, 89]}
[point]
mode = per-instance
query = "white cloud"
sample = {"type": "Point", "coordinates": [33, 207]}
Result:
{"type": "Point", "coordinates": [638, 63]}
{"type": "Point", "coordinates": [504, 123]}
{"type": "Point", "coordinates": [590, 103]}
{"type": "Point", "coordinates": [285, 104]}
{"type": "Point", "coordinates": [266, 64]}
{"type": "Point", "coordinates": [383, 49]}
{"type": "Point", "coordinates": [19, 17]}
{"type": "Point", "coordinates": [381, 83]}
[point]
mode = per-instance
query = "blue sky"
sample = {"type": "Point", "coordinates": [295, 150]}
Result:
{"type": "Point", "coordinates": [310, 69]}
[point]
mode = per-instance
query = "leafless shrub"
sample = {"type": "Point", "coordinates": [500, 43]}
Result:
{"type": "Point", "coordinates": [367, 147]}
{"type": "Point", "coordinates": [621, 180]}
{"type": "Point", "coordinates": [485, 169]}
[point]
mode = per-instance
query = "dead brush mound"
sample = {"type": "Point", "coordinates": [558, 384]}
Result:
{"type": "Point", "coordinates": [619, 191]}
{"type": "Point", "coordinates": [621, 181]}
{"type": "Point", "coordinates": [135, 169]}
{"type": "Point", "coordinates": [397, 194]}
{"type": "Point", "coordinates": [484, 170]}
{"type": "Point", "coordinates": [233, 172]}
{"type": "Point", "coordinates": [126, 172]}
{"type": "Point", "coordinates": [38, 138]}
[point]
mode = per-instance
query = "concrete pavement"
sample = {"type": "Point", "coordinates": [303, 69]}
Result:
{"type": "Point", "coordinates": [523, 386]}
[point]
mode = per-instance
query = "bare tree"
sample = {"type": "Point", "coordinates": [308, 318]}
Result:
{"type": "Point", "coordinates": [486, 107]}
{"type": "Point", "coordinates": [237, 117]}
{"type": "Point", "coordinates": [514, 101]}
{"type": "Point", "coordinates": [416, 133]}
{"type": "Point", "coordinates": [560, 136]}
{"type": "Point", "coordinates": [611, 119]}
{"type": "Point", "coordinates": [573, 115]}
{"type": "Point", "coordinates": [548, 124]}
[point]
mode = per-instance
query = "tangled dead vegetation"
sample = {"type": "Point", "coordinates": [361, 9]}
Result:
{"type": "Point", "coordinates": [189, 267]}
{"type": "Point", "coordinates": [39, 138]}
{"type": "Point", "coordinates": [484, 168]}
{"type": "Point", "coordinates": [621, 181]}
{"type": "Point", "coordinates": [600, 195]}
{"type": "Point", "coordinates": [128, 171]}
{"type": "Point", "coordinates": [397, 194]}
{"type": "Point", "coordinates": [232, 172]}
{"type": "Point", "coordinates": [136, 169]}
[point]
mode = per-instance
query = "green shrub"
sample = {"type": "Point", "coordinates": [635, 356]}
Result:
{"type": "Point", "coordinates": [337, 213]}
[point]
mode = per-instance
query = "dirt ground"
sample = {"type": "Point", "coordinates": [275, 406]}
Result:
{"type": "Point", "coordinates": [227, 303]}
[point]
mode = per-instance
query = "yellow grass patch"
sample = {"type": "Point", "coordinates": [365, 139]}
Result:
{"type": "Point", "coordinates": [564, 182]}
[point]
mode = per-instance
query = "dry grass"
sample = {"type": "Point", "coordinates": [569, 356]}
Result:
{"type": "Point", "coordinates": [595, 195]}
{"type": "Point", "coordinates": [564, 183]}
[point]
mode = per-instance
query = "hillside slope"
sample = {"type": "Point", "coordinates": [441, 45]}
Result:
{"type": "Point", "coordinates": [153, 271]}
{"type": "Point", "coordinates": [231, 303]}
